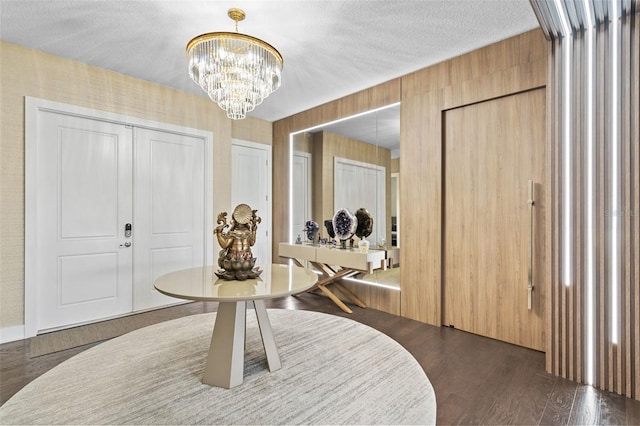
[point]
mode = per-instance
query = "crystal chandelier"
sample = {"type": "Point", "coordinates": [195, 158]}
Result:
{"type": "Point", "coordinates": [238, 71]}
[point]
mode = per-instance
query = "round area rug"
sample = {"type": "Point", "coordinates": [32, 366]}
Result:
{"type": "Point", "coordinates": [334, 371]}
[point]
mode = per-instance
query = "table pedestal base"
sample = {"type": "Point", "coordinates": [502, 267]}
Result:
{"type": "Point", "coordinates": [225, 362]}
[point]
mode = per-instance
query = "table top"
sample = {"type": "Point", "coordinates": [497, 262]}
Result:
{"type": "Point", "coordinates": [347, 258]}
{"type": "Point", "coordinates": [201, 284]}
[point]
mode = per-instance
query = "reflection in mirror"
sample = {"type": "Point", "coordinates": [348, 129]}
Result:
{"type": "Point", "coordinates": [350, 163]}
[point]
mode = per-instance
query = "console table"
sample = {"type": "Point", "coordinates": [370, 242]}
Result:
{"type": "Point", "coordinates": [335, 264]}
{"type": "Point", "coordinates": [225, 361]}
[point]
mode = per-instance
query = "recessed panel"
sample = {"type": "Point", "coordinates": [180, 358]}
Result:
{"type": "Point", "coordinates": [170, 259]}
{"type": "Point", "coordinates": [87, 184]}
{"type": "Point", "coordinates": [172, 171]}
{"type": "Point", "coordinates": [87, 278]}
{"type": "Point", "coordinates": [249, 177]}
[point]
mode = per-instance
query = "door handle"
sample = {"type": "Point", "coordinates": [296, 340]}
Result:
{"type": "Point", "coordinates": [127, 244]}
{"type": "Point", "coordinates": [530, 285]}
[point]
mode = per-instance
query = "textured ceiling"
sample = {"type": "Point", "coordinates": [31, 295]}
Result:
{"type": "Point", "coordinates": [330, 48]}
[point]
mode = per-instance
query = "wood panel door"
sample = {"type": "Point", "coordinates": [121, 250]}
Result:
{"type": "Point", "coordinates": [491, 150]}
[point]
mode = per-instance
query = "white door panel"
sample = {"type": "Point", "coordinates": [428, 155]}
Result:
{"type": "Point", "coordinates": [88, 184]}
{"type": "Point", "coordinates": [84, 201]}
{"type": "Point", "coordinates": [169, 226]}
{"type": "Point", "coordinates": [251, 184]}
{"type": "Point", "coordinates": [87, 278]}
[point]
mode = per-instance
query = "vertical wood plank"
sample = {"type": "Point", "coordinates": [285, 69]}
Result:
{"type": "Point", "coordinates": [578, 213]}
{"type": "Point", "coordinates": [420, 159]}
{"type": "Point", "coordinates": [601, 236]}
{"type": "Point", "coordinates": [555, 300]}
{"type": "Point", "coordinates": [634, 141]}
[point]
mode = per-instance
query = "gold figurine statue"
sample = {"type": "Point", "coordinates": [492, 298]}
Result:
{"type": "Point", "coordinates": [236, 238]}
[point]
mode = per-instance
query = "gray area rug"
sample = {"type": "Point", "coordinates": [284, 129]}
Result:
{"type": "Point", "coordinates": [334, 371]}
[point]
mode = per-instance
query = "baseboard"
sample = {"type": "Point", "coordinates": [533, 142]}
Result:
{"type": "Point", "coordinates": [11, 334]}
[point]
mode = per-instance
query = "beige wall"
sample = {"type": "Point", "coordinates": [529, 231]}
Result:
{"type": "Point", "coordinates": [252, 130]}
{"type": "Point", "coordinates": [395, 165]}
{"type": "Point", "coordinates": [27, 72]}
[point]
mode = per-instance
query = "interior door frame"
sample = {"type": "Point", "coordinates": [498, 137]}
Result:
{"type": "Point", "coordinates": [308, 158]}
{"type": "Point", "coordinates": [269, 223]}
{"type": "Point", "coordinates": [32, 107]}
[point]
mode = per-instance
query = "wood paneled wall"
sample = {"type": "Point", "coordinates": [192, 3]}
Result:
{"type": "Point", "coordinates": [511, 66]}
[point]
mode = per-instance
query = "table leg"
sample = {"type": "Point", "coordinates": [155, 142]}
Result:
{"type": "Point", "coordinates": [225, 362]}
{"type": "Point", "coordinates": [268, 339]}
{"type": "Point", "coordinates": [335, 299]}
{"type": "Point", "coordinates": [350, 295]}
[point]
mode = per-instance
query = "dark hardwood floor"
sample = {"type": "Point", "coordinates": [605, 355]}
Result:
{"type": "Point", "coordinates": [476, 380]}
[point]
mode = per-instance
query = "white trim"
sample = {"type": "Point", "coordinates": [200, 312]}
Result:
{"type": "Point", "coordinates": [360, 164]}
{"type": "Point", "coordinates": [11, 334]}
{"type": "Point", "coordinates": [35, 105]}
{"type": "Point", "coordinates": [307, 155]}
{"type": "Point", "coordinates": [397, 206]}
{"type": "Point", "coordinates": [269, 213]}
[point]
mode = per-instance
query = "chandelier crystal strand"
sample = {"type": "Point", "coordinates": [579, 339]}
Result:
{"type": "Point", "coordinates": [236, 70]}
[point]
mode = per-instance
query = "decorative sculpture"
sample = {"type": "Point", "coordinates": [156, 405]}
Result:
{"type": "Point", "coordinates": [365, 223]}
{"type": "Point", "coordinates": [344, 225]}
{"type": "Point", "coordinates": [328, 224]}
{"type": "Point", "coordinates": [236, 238]}
{"type": "Point", "coordinates": [311, 229]}
{"type": "Point", "coordinates": [365, 227]}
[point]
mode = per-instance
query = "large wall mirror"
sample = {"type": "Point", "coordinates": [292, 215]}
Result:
{"type": "Point", "coordinates": [350, 163]}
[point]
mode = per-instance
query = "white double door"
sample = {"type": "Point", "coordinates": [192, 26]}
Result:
{"type": "Point", "coordinates": [116, 206]}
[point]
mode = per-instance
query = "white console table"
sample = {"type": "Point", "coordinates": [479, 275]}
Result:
{"type": "Point", "coordinates": [335, 264]}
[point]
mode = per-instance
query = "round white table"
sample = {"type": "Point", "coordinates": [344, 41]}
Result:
{"type": "Point", "coordinates": [225, 362]}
